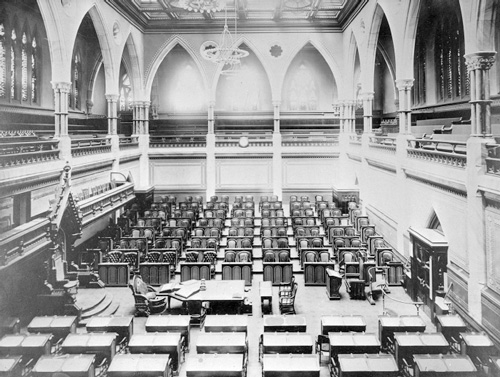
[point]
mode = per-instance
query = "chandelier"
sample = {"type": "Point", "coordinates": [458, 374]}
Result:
{"type": "Point", "coordinates": [200, 5]}
{"type": "Point", "coordinates": [225, 53]}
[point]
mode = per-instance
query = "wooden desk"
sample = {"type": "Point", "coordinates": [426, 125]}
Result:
{"type": "Point", "coordinates": [290, 323]}
{"type": "Point", "coordinates": [388, 325]}
{"type": "Point", "coordinates": [290, 366]}
{"type": "Point", "coordinates": [170, 323]}
{"type": "Point", "coordinates": [450, 326]}
{"type": "Point", "coordinates": [203, 365]}
{"type": "Point", "coordinates": [342, 323]}
{"type": "Point", "coordinates": [163, 342]}
{"type": "Point", "coordinates": [123, 326]}
{"type": "Point", "coordinates": [477, 345]}
{"type": "Point", "coordinates": [222, 342]}
{"type": "Point", "coordinates": [266, 294]}
{"type": "Point", "coordinates": [226, 323]}
{"type": "Point", "coordinates": [101, 344]}
{"type": "Point", "coordinates": [443, 365]}
{"type": "Point", "coordinates": [34, 345]}
{"type": "Point", "coordinates": [128, 365]}
{"type": "Point", "coordinates": [333, 284]}
{"type": "Point", "coordinates": [11, 366]}
{"type": "Point", "coordinates": [409, 344]}
{"type": "Point", "coordinates": [59, 326]}
{"type": "Point", "coordinates": [353, 343]}
{"type": "Point", "coordinates": [367, 365]}
{"type": "Point", "coordinates": [287, 343]}
{"type": "Point", "coordinates": [70, 365]}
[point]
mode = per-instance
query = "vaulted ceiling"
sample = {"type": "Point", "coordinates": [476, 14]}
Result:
{"type": "Point", "coordinates": [265, 15]}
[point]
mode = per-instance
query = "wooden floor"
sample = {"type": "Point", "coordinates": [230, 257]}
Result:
{"type": "Point", "coordinates": [311, 301]}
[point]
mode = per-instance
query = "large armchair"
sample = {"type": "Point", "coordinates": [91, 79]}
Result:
{"type": "Point", "coordinates": [145, 296]}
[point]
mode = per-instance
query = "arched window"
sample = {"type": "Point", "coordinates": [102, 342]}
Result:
{"type": "Point", "coordinates": [126, 96]}
{"type": "Point", "coordinates": [187, 94]}
{"type": "Point", "coordinates": [303, 93]}
{"type": "Point", "coordinates": [34, 69]}
{"type": "Point", "coordinates": [419, 67]}
{"type": "Point", "coordinates": [435, 224]}
{"type": "Point", "coordinates": [451, 71]}
{"type": "Point", "coordinates": [24, 67]}
{"type": "Point", "coordinates": [13, 74]}
{"type": "Point", "coordinates": [3, 62]}
{"type": "Point", "coordinates": [76, 81]}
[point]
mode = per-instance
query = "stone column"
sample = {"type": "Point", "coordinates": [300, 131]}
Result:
{"type": "Point", "coordinates": [341, 116]}
{"type": "Point", "coordinates": [276, 106]}
{"type": "Point", "coordinates": [211, 117]}
{"type": "Point", "coordinates": [112, 113]}
{"type": "Point", "coordinates": [404, 87]}
{"type": "Point", "coordinates": [367, 111]}
{"type": "Point", "coordinates": [479, 64]}
{"type": "Point", "coordinates": [351, 116]}
{"type": "Point", "coordinates": [61, 106]}
{"type": "Point", "coordinates": [142, 129]}
{"type": "Point", "coordinates": [145, 117]}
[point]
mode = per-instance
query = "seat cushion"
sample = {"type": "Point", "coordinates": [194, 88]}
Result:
{"type": "Point", "coordinates": [140, 287]}
{"type": "Point", "coordinates": [150, 295]}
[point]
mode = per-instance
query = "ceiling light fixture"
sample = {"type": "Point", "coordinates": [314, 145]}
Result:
{"type": "Point", "coordinates": [201, 6]}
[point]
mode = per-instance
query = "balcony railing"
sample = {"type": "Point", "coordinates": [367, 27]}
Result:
{"type": "Point", "coordinates": [88, 146]}
{"type": "Point", "coordinates": [178, 141]}
{"type": "Point", "coordinates": [493, 159]}
{"type": "Point", "coordinates": [106, 202]}
{"type": "Point", "coordinates": [297, 139]}
{"type": "Point", "coordinates": [25, 147]}
{"type": "Point", "coordinates": [383, 142]}
{"type": "Point", "coordinates": [355, 140]}
{"type": "Point", "coordinates": [254, 140]}
{"type": "Point", "coordinates": [24, 239]}
{"type": "Point", "coordinates": [452, 153]}
{"type": "Point", "coordinates": [128, 142]}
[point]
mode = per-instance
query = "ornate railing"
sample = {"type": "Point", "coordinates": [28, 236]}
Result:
{"type": "Point", "coordinates": [355, 140]}
{"type": "Point", "coordinates": [383, 143]}
{"type": "Point", "coordinates": [452, 153]}
{"type": "Point", "coordinates": [108, 201]}
{"type": "Point", "coordinates": [254, 140]}
{"type": "Point", "coordinates": [178, 141]}
{"type": "Point", "coordinates": [309, 140]}
{"type": "Point", "coordinates": [493, 159]}
{"type": "Point", "coordinates": [128, 142]}
{"type": "Point", "coordinates": [24, 239]}
{"type": "Point", "coordinates": [22, 147]}
{"type": "Point", "coordinates": [87, 146]}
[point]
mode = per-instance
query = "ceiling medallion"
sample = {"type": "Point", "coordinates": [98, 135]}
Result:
{"type": "Point", "coordinates": [200, 5]}
{"type": "Point", "coordinates": [276, 51]}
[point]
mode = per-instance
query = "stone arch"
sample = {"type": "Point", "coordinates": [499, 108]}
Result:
{"type": "Point", "coordinates": [410, 37]}
{"type": "Point", "coordinates": [487, 11]}
{"type": "Point", "coordinates": [351, 65]}
{"type": "Point", "coordinates": [133, 67]}
{"type": "Point", "coordinates": [368, 68]}
{"type": "Point", "coordinates": [162, 52]}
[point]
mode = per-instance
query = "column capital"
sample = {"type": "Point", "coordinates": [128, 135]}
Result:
{"type": "Point", "coordinates": [276, 102]}
{"type": "Point", "coordinates": [480, 60]}
{"type": "Point", "coordinates": [62, 86]}
{"type": "Point", "coordinates": [146, 103]}
{"type": "Point", "coordinates": [367, 96]}
{"type": "Point", "coordinates": [112, 97]}
{"type": "Point", "coordinates": [404, 84]}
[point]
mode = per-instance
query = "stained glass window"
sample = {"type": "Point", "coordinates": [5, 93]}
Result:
{"type": "Point", "coordinates": [187, 94]}
{"type": "Point", "coordinates": [24, 68]}
{"type": "Point", "coordinates": [76, 81]}
{"type": "Point", "coordinates": [303, 92]}
{"type": "Point", "coordinates": [3, 62]}
{"type": "Point", "coordinates": [34, 67]}
{"type": "Point", "coordinates": [13, 75]}
{"type": "Point", "coordinates": [126, 96]}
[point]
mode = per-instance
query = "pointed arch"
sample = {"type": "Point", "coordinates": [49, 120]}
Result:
{"type": "Point", "coordinates": [487, 11]}
{"type": "Point", "coordinates": [434, 222]}
{"type": "Point", "coordinates": [323, 51]}
{"type": "Point", "coordinates": [368, 67]}
{"type": "Point", "coordinates": [134, 69]}
{"type": "Point", "coordinates": [270, 79]}
{"type": "Point", "coordinates": [162, 52]}
{"type": "Point", "coordinates": [352, 51]}
{"type": "Point", "coordinates": [412, 20]}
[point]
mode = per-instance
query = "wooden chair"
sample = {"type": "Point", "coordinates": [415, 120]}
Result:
{"type": "Point", "coordinates": [287, 301]}
{"type": "Point", "coordinates": [197, 311]}
{"type": "Point", "coordinates": [146, 299]}
{"type": "Point", "coordinates": [323, 349]}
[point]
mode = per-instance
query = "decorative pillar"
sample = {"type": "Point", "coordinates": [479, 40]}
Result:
{"type": "Point", "coordinates": [367, 111]}
{"type": "Point", "coordinates": [61, 105]}
{"type": "Point", "coordinates": [112, 113]}
{"type": "Point", "coordinates": [341, 106]}
{"type": "Point", "coordinates": [145, 116]}
{"type": "Point", "coordinates": [211, 117]}
{"type": "Point", "coordinates": [478, 65]}
{"type": "Point", "coordinates": [404, 87]}
{"type": "Point", "coordinates": [350, 109]}
{"type": "Point", "coordinates": [276, 106]}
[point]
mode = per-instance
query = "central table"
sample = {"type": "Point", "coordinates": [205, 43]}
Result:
{"type": "Point", "coordinates": [290, 366]}
{"type": "Point", "coordinates": [367, 365]}
{"type": "Point", "coordinates": [353, 343]}
{"type": "Point", "coordinates": [225, 323]}
{"type": "Point", "coordinates": [342, 323]}
{"type": "Point", "coordinates": [290, 323]}
{"type": "Point", "coordinates": [59, 326]}
{"type": "Point", "coordinates": [102, 344]}
{"type": "Point", "coordinates": [170, 323]}
{"type": "Point", "coordinates": [409, 344]}
{"type": "Point", "coordinates": [222, 342]}
{"type": "Point", "coordinates": [128, 365]}
{"type": "Point", "coordinates": [443, 365]}
{"type": "Point", "coordinates": [164, 342]}
{"type": "Point", "coordinates": [33, 345]}
{"type": "Point", "coordinates": [388, 325]}
{"type": "Point", "coordinates": [121, 325]}
{"type": "Point", "coordinates": [70, 365]}
{"type": "Point", "coordinates": [287, 343]}
{"type": "Point", "coordinates": [203, 365]}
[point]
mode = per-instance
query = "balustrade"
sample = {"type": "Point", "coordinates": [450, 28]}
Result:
{"type": "Point", "coordinates": [178, 141]}
{"type": "Point", "coordinates": [452, 153]}
{"type": "Point", "coordinates": [87, 146]}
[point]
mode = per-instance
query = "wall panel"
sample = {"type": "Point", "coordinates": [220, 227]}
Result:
{"type": "Point", "coordinates": [309, 173]}
{"type": "Point", "coordinates": [180, 174]}
{"type": "Point", "coordinates": [244, 174]}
